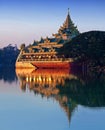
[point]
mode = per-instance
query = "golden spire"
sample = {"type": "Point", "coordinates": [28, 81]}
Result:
{"type": "Point", "coordinates": [68, 11]}
{"type": "Point", "coordinates": [68, 21]}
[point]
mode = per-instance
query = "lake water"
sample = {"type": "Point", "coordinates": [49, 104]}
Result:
{"type": "Point", "coordinates": [51, 100]}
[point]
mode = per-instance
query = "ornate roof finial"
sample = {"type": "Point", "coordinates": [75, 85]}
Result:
{"type": "Point", "coordinates": [68, 10]}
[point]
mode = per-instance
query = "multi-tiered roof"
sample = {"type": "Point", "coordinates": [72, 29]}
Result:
{"type": "Point", "coordinates": [48, 47]}
{"type": "Point", "coordinates": [65, 33]}
{"type": "Point", "coordinates": [68, 30]}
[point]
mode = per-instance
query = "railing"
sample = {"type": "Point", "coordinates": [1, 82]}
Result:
{"type": "Point", "coordinates": [52, 59]}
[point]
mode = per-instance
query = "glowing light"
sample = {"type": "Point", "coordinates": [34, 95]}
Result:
{"type": "Point", "coordinates": [34, 79]}
{"type": "Point", "coordinates": [40, 79]}
{"type": "Point", "coordinates": [26, 79]}
{"type": "Point", "coordinates": [30, 79]}
{"type": "Point", "coordinates": [49, 79]}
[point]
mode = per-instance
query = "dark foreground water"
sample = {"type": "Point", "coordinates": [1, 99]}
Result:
{"type": "Point", "coordinates": [51, 100]}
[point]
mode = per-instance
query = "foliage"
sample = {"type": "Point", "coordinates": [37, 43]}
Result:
{"type": "Point", "coordinates": [8, 56]}
{"type": "Point", "coordinates": [86, 46]}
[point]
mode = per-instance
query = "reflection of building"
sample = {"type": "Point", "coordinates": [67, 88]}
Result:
{"type": "Point", "coordinates": [48, 83]}
{"type": "Point", "coordinates": [67, 104]}
{"type": "Point", "coordinates": [47, 79]}
{"type": "Point", "coordinates": [44, 53]}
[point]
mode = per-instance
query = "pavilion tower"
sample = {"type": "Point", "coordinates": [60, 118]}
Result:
{"type": "Point", "coordinates": [67, 31]}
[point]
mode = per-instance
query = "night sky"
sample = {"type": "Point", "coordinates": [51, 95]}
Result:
{"type": "Point", "coordinates": [22, 21]}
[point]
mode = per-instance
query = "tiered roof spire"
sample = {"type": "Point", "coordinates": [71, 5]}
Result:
{"type": "Point", "coordinates": [68, 30]}
{"type": "Point", "coordinates": [68, 20]}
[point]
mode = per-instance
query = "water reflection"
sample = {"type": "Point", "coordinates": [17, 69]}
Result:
{"type": "Point", "coordinates": [49, 83]}
{"type": "Point", "coordinates": [46, 82]}
{"type": "Point", "coordinates": [8, 74]}
{"type": "Point", "coordinates": [69, 89]}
